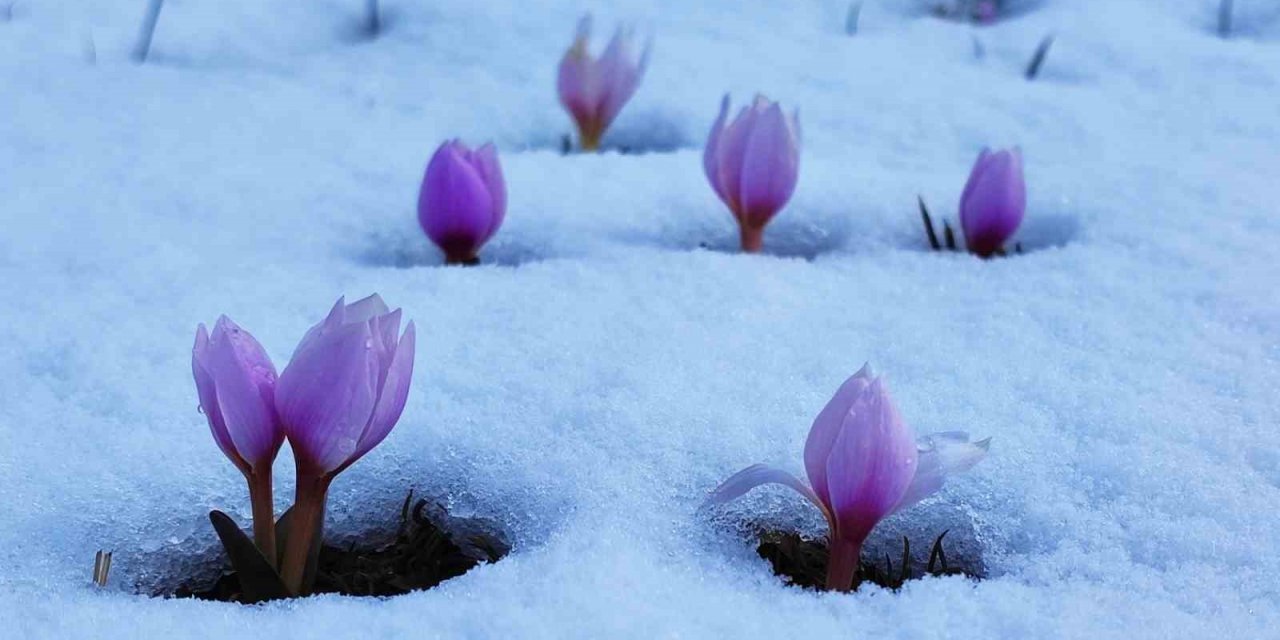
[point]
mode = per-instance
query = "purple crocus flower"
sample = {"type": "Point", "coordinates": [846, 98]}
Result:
{"type": "Point", "coordinates": [863, 464]}
{"type": "Point", "coordinates": [993, 202]}
{"type": "Point", "coordinates": [753, 163]}
{"type": "Point", "coordinates": [340, 395]}
{"type": "Point", "coordinates": [595, 90]}
{"type": "Point", "coordinates": [463, 200]}
{"type": "Point", "coordinates": [236, 384]}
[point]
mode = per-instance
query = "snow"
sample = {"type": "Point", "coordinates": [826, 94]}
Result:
{"type": "Point", "coordinates": [603, 372]}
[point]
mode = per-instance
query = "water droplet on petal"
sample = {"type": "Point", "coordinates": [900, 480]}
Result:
{"type": "Point", "coordinates": [200, 408]}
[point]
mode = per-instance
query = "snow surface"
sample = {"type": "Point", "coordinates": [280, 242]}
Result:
{"type": "Point", "coordinates": [590, 385]}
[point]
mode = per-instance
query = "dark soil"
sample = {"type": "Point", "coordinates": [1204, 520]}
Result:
{"type": "Point", "coordinates": [803, 563]}
{"type": "Point", "coordinates": [423, 554]}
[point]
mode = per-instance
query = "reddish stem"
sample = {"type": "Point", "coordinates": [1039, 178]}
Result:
{"type": "Point", "coordinates": [842, 565]}
{"type": "Point", "coordinates": [752, 238]}
{"type": "Point", "coordinates": [264, 513]}
{"type": "Point", "coordinates": [307, 518]}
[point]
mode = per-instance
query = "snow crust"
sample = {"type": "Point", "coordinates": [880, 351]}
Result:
{"type": "Point", "coordinates": [615, 358]}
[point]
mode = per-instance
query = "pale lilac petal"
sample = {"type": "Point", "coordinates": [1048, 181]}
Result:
{"type": "Point", "coordinates": [770, 167]}
{"type": "Point", "coordinates": [208, 394]}
{"type": "Point", "coordinates": [711, 154]}
{"type": "Point", "coordinates": [822, 435]}
{"type": "Point", "coordinates": [941, 454]}
{"type": "Point", "coordinates": [732, 147]}
{"type": "Point", "coordinates": [577, 80]}
{"type": "Point", "coordinates": [620, 76]}
{"type": "Point", "coordinates": [364, 309]}
{"type": "Point", "coordinates": [384, 330]}
{"type": "Point", "coordinates": [326, 396]}
{"type": "Point", "coordinates": [330, 323]}
{"type": "Point", "coordinates": [994, 202]}
{"type": "Point", "coordinates": [392, 396]}
{"type": "Point", "coordinates": [245, 381]}
{"type": "Point", "coordinates": [872, 462]}
{"type": "Point", "coordinates": [455, 207]}
{"type": "Point", "coordinates": [755, 475]}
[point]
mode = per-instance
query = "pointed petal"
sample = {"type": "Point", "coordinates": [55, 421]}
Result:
{"type": "Point", "coordinates": [731, 149]}
{"type": "Point", "coordinates": [826, 426]}
{"type": "Point", "coordinates": [755, 475]}
{"type": "Point", "coordinates": [245, 381]}
{"type": "Point", "coordinates": [330, 323]}
{"type": "Point", "coordinates": [365, 308]}
{"type": "Point", "coordinates": [326, 395]}
{"type": "Point", "coordinates": [392, 396]}
{"type": "Point", "coordinates": [208, 394]}
{"type": "Point", "coordinates": [711, 153]}
{"type": "Point", "coordinates": [770, 167]}
{"type": "Point", "coordinates": [872, 462]}
{"type": "Point", "coordinates": [620, 76]}
{"type": "Point", "coordinates": [942, 454]}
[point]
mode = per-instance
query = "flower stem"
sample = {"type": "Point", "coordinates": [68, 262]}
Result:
{"type": "Point", "coordinates": [264, 514]}
{"type": "Point", "coordinates": [752, 238]}
{"type": "Point", "coordinates": [589, 137]}
{"type": "Point", "coordinates": [842, 565]}
{"type": "Point", "coordinates": [464, 259]}
{"type": "Point", "coordinates": [307, 522]}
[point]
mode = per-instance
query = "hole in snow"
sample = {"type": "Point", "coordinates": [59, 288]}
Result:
{"type": "Point", "coordinates": [424, 548]}
{"type": "Point", "coordinates": [636, 134]}
{"type": "Point", "coordinates": [403, 251]}
{"type": "Point", "coordinates": [975, 11]}
{"type": "Point", "coordinates": [1038, 231]}
{"type": "Point", "coordinates": [795, 235]}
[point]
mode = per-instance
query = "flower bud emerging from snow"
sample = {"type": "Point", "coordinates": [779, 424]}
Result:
{"type": "Point", "coordinates": [863, 464]}
{"type": "Point", "coordinates": [753, 163]}
{"type": "Point", "coordinates": [463, 200]}
{"type": "Point", "coordinates": [236, 383]}
{"type": "Point", "coordinates": [993, 202]}
{"type": "Point", "coordinates": [340, 395]}
{"type": "Point", "coordinates": [346, 385]}
{"type": "Point", "coordinates": [595, 90]}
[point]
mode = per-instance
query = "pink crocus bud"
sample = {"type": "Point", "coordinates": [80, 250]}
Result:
{"type": "Point", "coordinates": [236, 384]}
{"type": "Point", "coordinates": [463, 200]}
{"type": "Point", "coordinates": [753, 163]}
{"type": "Point", "coordinates": [863, 464]}
{"type": "Point", "coordinates": [594, 90]}
{"type": "Point", "coordinates": [340, 395]}
{"type": "Point", "coordinates": [993, 202]}
{"type": "Point", "coordinates": [985, 11]}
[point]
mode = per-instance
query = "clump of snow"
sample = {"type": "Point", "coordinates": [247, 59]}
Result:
{"type": "Point", "coordinates": [588, 387]}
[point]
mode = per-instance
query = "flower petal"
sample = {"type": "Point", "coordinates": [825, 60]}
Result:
{"type": "Point", "coordinates": [994, 201]}
{"type": "Point", "coordinates": [826, 426]}
{"type": "Point", "coordinates": [392, 396]}
{"type": "Point", "coordinates": [364, 309]}
{"type": "Point", "coordinates": [245, 381]}
{"type": "Point", "coordinates": [770, 167]}
{"type": "Point", "coordinates": [941, 454]}
{"type": "Point", "coordinates": [207, 391]}
{"type": "Point", "coordinates": [326, 395]}
{"type": "Point", "coordinates": [755, 475]}
{"type": "Point", "coordinates": [872, 462]}
{"type": "Point", "coordinates": [455, 207]}
{"type": "Point", "coordinates": [485, 161]}
{"type": "Point", "coordinates": [711, 153]}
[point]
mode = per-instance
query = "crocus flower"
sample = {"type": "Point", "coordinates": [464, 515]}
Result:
{"type": "Point", "coordinates": [753, 163]}
{"type": "Point", "coordinates": [236, 384]}
{"type": "Point", "coordinates": [340, 395]}
{"type": "Point", "coordinates": [463, 200]}
{"type": "Point", "coordinates": [993, 202]}
{"type": "Point", "coordinates": [863, 464]}
{"type": "Point", "coordinates": [594, 90]}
